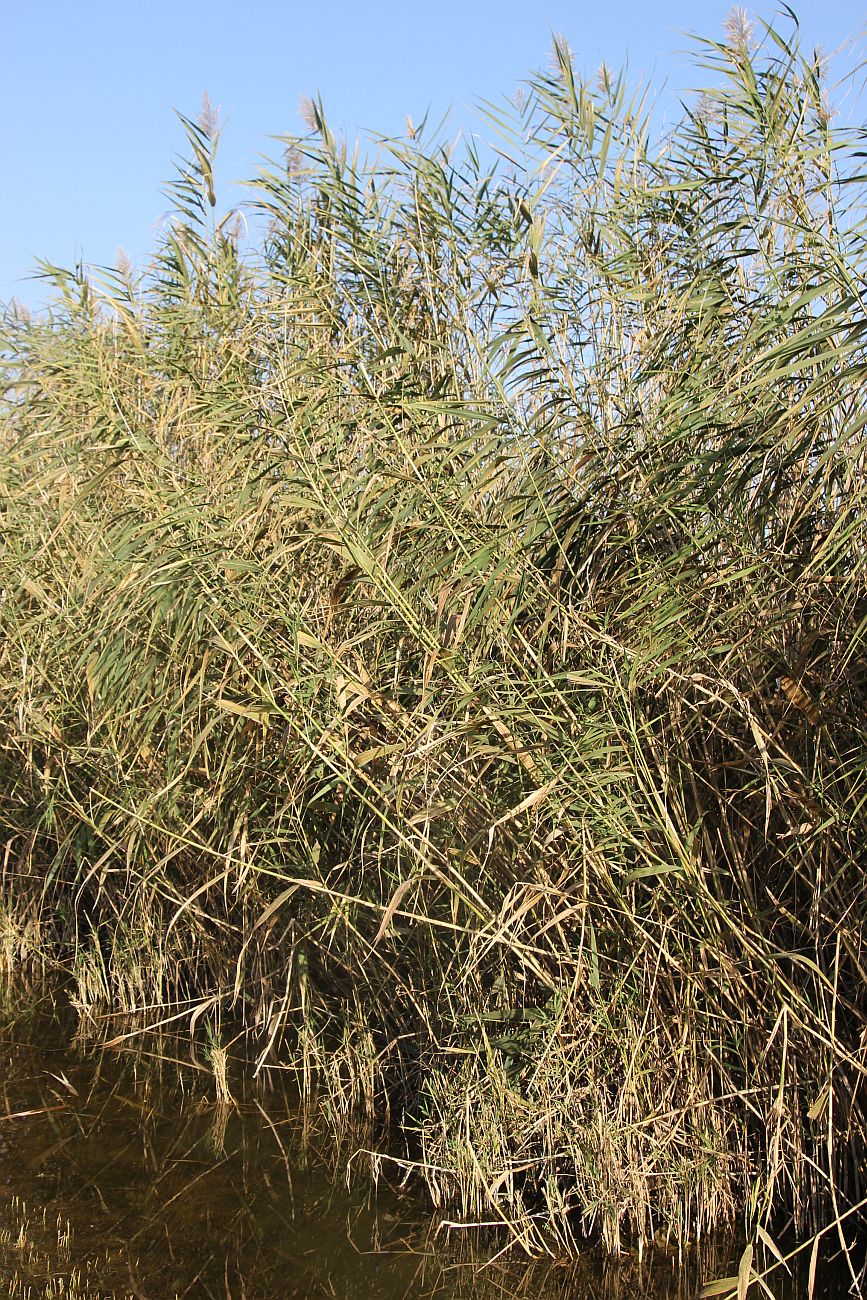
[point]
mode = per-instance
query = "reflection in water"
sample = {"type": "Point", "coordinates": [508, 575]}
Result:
{"type": "Point", "coordinates": [138, 1171]}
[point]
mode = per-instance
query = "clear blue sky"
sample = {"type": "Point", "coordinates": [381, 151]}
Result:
{"type": "Point", "coordinates": [88, 89]}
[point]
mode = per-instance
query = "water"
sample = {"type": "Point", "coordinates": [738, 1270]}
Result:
{"type": "Point", "coordinates": [120, 1175]}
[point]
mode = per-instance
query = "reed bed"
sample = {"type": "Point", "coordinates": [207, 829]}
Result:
{"type": "Point", "coordinates": [436, 636]}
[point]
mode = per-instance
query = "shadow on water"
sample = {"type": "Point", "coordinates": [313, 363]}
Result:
{"type": "Point", "coordinates": [122, 1175]}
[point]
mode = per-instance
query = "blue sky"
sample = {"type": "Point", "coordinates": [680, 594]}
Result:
{"type": "Point", "coordinates": [88, 89]}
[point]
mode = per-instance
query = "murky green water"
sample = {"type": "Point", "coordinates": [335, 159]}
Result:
{"type": "Point", "coordinates": [120, 1175]}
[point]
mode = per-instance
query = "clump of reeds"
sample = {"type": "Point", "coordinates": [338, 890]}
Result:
{"type": "Point", "coordinates": [439, 636]}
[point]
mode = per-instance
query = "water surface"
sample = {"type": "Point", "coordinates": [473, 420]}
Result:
{"type": "Point", "coordinates": [121, 1175]}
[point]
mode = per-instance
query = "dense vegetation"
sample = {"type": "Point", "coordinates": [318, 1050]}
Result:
{"type": "Point", "coordinates": [437, 638]}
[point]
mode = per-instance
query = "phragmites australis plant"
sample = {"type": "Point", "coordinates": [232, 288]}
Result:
{"type": "Point", "coordinates": [437, 638]}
